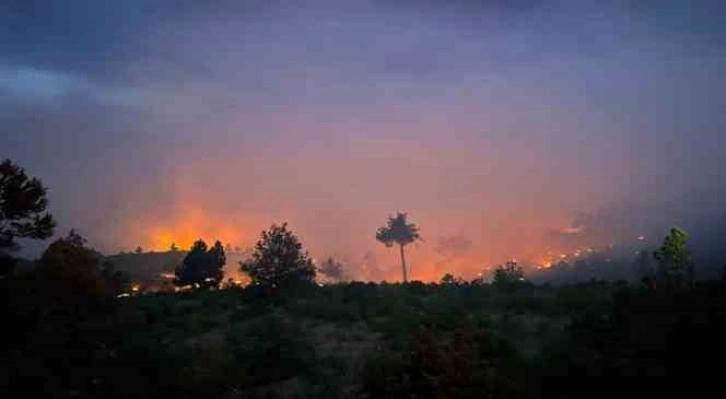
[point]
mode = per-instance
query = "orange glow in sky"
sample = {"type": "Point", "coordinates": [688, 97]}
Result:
{"type": "Point", "coordinates": [493, 136]}
{"type": "Point", "coordinates": [479, 199]}
{"type": "Point", "coordinates": [365, 258]}
{"type": "Point", "coordinates": [195, 224]}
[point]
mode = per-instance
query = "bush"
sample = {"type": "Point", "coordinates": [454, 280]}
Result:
{"type": "Point", "coordinates": [271, 348]}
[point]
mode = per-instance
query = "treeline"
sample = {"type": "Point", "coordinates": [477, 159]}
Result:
{"type": "Point", "coordinates": [67, 334]}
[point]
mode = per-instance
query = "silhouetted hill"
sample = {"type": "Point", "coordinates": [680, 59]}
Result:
{"type": "Point", "coordinates": [147, 266]}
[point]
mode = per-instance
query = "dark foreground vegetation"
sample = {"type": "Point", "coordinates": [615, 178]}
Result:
{"type": "Point", "coordinates": [367, 340]}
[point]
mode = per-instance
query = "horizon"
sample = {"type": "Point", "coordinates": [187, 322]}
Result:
{"type": "Point", "coordinates": [525, 129]}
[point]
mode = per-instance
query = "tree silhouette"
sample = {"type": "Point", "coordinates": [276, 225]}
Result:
{"type": "Point", "coordinates": [450, 279]}
{"type": "Point", "coordinates": [173, 247]}
{"type": "Point", "coordinates": [398, 231]}
{"type": "Point", "coordinates": [675, 264]}
{"type": "Point", "coordinates": [278, 259]}
{"type": "Point", "coordinates": [216, 264]}
{"type": "Point", "coordinates": [23, 213]}
{"type": "Point", "coordinates": [202, 266]}
{"type": "Point", "coordinates": [72, 270]}
{"type": "Point", "coordinates": [192, 268]}
{"type": "Point", "coordinates": [508, 275]}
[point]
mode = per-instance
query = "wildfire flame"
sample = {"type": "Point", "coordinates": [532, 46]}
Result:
{"type": "Point", "coordinates": [191, 224]}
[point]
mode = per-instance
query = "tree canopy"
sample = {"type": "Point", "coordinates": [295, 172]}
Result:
{"type": "Point", "coordinates": [674, 261]}
{"type": "Point", "coordinates": [399, 231]}
{"type": "Point", "coordinates": [202, 266]}
{"type": "Point", "coordinates": [73, 271]}
{"type": "Point", "coordinates": [278, 259]}
{"type": "Point", "coordinates": [508, 274]}
{"type": "Point", "coordinates": [23, 212]}
{"type": "Point", "coordinates": [450, 279]}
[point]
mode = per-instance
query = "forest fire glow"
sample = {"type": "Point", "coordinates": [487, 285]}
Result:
{"type": "Point", "coordinates": [190, 225]}
{"type": "Point", "coordinates": [365, 259]}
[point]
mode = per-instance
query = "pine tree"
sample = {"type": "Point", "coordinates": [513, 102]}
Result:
{"type": "Point", "coordinates": [23, 213]}
{"type": "Point", "coordinates": [203, 266]}
{"type": "Point", "coordinates": [279, 260]}
{"type": "Point", "coordinates": [675, 264]}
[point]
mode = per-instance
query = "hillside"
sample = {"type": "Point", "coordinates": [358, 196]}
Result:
{"type": "Point", "coordinates": [147, 266]}
{"type": "Point", "coordinates": [365, 340]}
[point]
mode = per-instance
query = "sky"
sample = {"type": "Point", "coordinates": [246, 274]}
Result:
{"type": "Point", "coordinates": [505, 129]}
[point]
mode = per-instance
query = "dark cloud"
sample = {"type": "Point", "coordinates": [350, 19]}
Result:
{"type": "Point", "coordinates": [109, 41]}
{"type": "Point", "coordinates": [82, 37]}
{"type": "Point", "coordinates": [100, 162]}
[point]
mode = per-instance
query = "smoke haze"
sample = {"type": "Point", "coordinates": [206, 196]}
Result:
{"type": "Point", "coordinates": [505, 129]}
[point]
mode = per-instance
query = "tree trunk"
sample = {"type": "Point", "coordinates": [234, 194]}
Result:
{"type": "Point", "coordinates": [403, 264]}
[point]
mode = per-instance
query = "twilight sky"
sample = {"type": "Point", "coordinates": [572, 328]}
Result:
{"type": "Point", "coordinates": [505, 128]}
